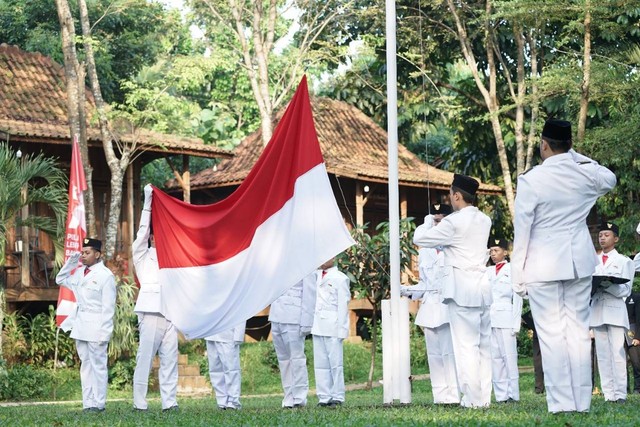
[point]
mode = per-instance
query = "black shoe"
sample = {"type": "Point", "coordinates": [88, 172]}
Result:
{"type": "Point", "coordinates": [621, 401]}
{"type": "Point", "coordinates": [171, 409]}
{"type": "Point", "coordinates": [139, 409]}
{"type": "Point", "coordinates": [335, 402]}
{"type": "Point", "coordinates": [93, 409]}
{"type": "Point", "coordinates": [298, 405]}
{"type": "Point", "coordinates": [324, 404]}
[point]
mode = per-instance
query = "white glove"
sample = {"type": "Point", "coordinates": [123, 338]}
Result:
{"type": "Point", "coordinates": [305, 330]}
{"type": "Point", "coordinates": [514, 332]}
{"type": "Point", "coordinates": [638, 228]}
{"type": "Point", "coordinates": [148, 194]}
{"type": "Point", "coordinates": [404, 292]}
{"type": "Point", "coordinates": [72, 262]}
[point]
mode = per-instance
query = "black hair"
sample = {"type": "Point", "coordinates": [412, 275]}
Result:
{"type": "Point", "coordinates": [558, 145]}
{"type": "Point", "coordinates": [467, 197]}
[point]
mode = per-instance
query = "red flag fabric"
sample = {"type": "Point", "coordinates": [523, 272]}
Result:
{"type": "Point", "coordinates": [76, 229]}
{"type": "Point", "coordinates": [221, 264]}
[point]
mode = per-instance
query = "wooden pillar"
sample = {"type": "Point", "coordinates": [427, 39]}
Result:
{"type": "Point", "coordinates": [186, 179]}
{"type": "Point", "coordinates": [403, 202]}
{"type": "Point", "coordinates": [26, 265]}
{"type": "Point", "coordinates": [361, 200]}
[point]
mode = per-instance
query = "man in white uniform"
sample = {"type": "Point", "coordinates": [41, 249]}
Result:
{"type": "Point", "coordinates": [433, 317]}
{"type": "Point", "coordinates": [291, 317]}
{"type": "Point", "coordinates": [94, 288]}
{"type": "Point", "coordinates": [553, 260]}
{"type": "Point", "coordinates": [506, 312]}
{"type": "Point", "coordinates": [463, 236]}
{"type": "Point", "coordinates": [157, 334]}
{"type": "Point", "coordinates": [223, 352]}
{"type": "Point", "coordinates": [609, 318]}
{"type": "Point", "coordinates": [330, 328]}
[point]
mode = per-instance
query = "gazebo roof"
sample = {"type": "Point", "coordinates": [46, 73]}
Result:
{"type": "Point", "coordinates": [352, 145]}
{"type": "Point", "coordinates": [33, 108]}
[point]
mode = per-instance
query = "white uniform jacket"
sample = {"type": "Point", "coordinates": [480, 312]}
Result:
{"type": "Point", "coordinates": [506, 308]}
{"type": "Point", "coordinates": [145, 260]}
{"type": "Point", "coordinates": [95, 302]}
{"type": "Point", "coordinates": [607, 304]}
{"type": "Point", "coordinates": [556, 219]}
{"type": "Point", "coordinates": [331, 317]}
{"type": "Point", "coordinates": [463, 236]}
{"type": "Point", "coordinates": [297, 305]}
{"type": "Point", "coordinates": [433, 312]}
{"type": "Point", "coordinates": [234, 335]}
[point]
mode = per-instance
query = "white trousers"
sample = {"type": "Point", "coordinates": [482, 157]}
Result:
{"type": "Point", "coordinates": [561, 315]}
{"type": "Point", "coordinates": [471, 334]}
{"type": "Point", "coordinates": [328, 368]}
{"type": "Point", "coordinates": [504, 365]}
{"type": "Point", "coordinates": [157, 335]}
{"type": "Point", "coordinates": [292, 361]}
{"type": "Point", "coordinates": [93, 373]}
{"type": "Point", "coordinates": [442, 364]}
{"type": "Point", "coordinates": [612, 361]}
{"type": "Point", "coordinates": [224, 372]}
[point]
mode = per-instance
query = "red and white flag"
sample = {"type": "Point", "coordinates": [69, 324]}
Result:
{"type": "Point", "coordinates": [221, 264]}
{"type": "Point", "coordinates": [76, 227]}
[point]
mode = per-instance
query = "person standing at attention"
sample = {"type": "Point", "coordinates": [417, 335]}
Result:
{"type": "Point", "coordinates": [94, 288]}
{"type": "Point", "coordinates": [506, 312]}
{"type": "Point", "coordinates": [463, 236]}
{"type": "Point", "coordinates": [157, 334]}
{"type": "Point", "coordinates": [608, 318]}
{"type": "Point", "coordinates": [433, 317]}
{"type": "Point", "coordinates": [330, 328]}
{"type": "Point", "coordinates": [291, 317]}
{"type": "Point", "coordinates": [223, 353]}
{"type": "Point", "coordinates": [553, 260]}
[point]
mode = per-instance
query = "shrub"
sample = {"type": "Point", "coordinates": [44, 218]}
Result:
{"type": "Point", "coordinates": [24, 382]}
{"type": "Point", "coordinates": [121, 374]}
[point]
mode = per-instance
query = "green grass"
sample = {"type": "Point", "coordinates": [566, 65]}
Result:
{"type": "Point", "coordinates": [362, 408]}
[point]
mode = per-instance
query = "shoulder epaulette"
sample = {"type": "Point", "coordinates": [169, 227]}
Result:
{"type": "Point", "coordinates": [585, 162]}
{"type": "Point", "coordinates": [528, 170]}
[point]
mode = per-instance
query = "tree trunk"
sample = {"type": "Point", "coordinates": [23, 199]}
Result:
{"type": "Point", "coordinates": [586, 74]}
{"type": "Point", "coordinates": [75, 101]}
{"type": "Point", "coordinates": [116, 166]}
{"type": "Point", "coordinates": [489, 95]}
{"type": "Point", "coordinates": [535, 102]}
{"type": "Point", "coordinates": [522, 90]}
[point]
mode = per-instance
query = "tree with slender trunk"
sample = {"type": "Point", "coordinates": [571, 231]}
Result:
{"type": "Point", "coordinates": [586, 74]}
{"type": "Point", "coordinates": [76, 103]}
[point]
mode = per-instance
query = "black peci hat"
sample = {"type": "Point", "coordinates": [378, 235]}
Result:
{"type": "Point", "coordinates": [609, 226]}
{"type": "Point", "coordinates": [441, 209]}
{"type": "Point", "coordinates": [465, 183]}
{"type": "Point", "coordinates": [494, 241]}
{"type": "Point", "coordinates": [92, 243]}
{"type": "Point", "coordinates": [559, 130]}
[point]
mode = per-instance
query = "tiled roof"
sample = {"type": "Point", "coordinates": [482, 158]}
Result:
{"type": "Point", "coordinates": [353, 146]}
{"type": "Point", "coordinates": [33, 107]}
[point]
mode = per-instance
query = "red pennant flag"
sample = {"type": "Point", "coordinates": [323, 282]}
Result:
{"type": "Point", "coordinates": [76, 227]}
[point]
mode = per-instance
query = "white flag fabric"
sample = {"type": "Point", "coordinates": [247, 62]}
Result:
{"type": "Point", "coordinates": [221, 264]}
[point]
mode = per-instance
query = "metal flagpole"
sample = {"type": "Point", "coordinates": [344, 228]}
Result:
{"type": "Point", "coordinates": [395, 313]}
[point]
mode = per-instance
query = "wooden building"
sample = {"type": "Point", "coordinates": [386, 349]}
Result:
{"type": "Point", "coordinates": [33, 119]}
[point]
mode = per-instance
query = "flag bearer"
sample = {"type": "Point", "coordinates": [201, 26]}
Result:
{"type": "Point", "coordinates": [94, 287]}
{"type": "Point", "coordinates": [433, 317]}
{"type": "Point", "coordinates": [223, 352]}
{"type": "Point", "coordinates": [157, 334]}
{"type": "Point", "coordinates": [608, 317]}
{"type": "Point", "coordinates": [506, 312]}
{"type": "Point", "coordinates": [330, 328]}
{"type": "Point", "coordinates": [291, 317]}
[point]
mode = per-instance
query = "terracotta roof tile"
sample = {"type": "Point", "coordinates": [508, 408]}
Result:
{"type": "Point", "coordinates": [33, 106]}
{"type": "Point", "coordinates": [353, 146]}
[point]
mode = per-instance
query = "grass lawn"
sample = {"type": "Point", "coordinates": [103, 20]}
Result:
{"type": "Point", "coordinates": [362, 408]}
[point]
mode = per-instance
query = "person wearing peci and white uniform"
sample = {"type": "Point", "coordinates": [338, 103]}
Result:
{"type": "Point", "coordinates": [330, 328]}
{"type": "Point", "coordinates": [94, 288]}
{"type": "Point", "coordinates": [463, 236]}
{"type": "Point", "coordinates": [608, 317]}
{"type": "Point", "coordinates": [506, 312]}
{"type": "Point", "coordinates": [553, 260]}
{"type": "Point", "coordinates": [291, 317]}
{"type": "Point", "coordinates": [223, 352]}
{"type": "Point", "coordinates": [433, 317]}
{"type": "Point", "coordinates": [157, 334]}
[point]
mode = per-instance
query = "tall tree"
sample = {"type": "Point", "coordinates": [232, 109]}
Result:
{"type": "Point", "coordinates": [251, 30]}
